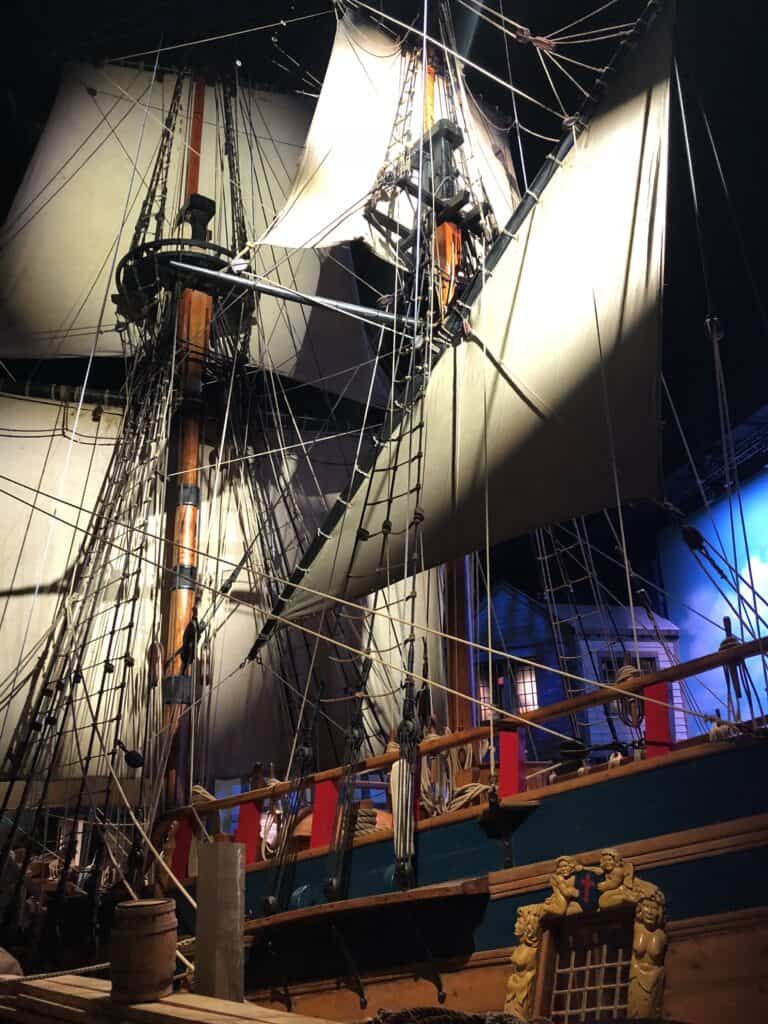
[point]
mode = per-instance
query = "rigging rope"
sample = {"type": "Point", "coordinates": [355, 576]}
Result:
{"type": "Point", "coordinates": [285, 621]}
{"type": "Point", "coordinates": [224, 35]}
{"type": "Point", "coordinates": [464, 60]}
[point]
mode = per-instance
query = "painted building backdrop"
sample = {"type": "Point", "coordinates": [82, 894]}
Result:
{"type": "Point", "coordinates": [697, 604]}
{"type": "Point", "coordinates": [596, 641]}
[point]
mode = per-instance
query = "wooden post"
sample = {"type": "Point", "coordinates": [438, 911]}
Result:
{"type": "Point", "coordinates": [193, 334]}
{"type": "Point", "coordinates": [511, 762]}
{"type": "Point", "coordinates": [219, 921]}
{"type": "Point", "coordinates": [658, 731]}
{"type": "Point", "coordinates": [459, 655]}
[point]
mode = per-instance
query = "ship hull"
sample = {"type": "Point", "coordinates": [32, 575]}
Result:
{"type": "Point", "coordinates": [694, 823]}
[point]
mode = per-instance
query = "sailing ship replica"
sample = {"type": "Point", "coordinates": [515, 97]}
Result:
{"type": "Point", "coordinates": [262, 557]}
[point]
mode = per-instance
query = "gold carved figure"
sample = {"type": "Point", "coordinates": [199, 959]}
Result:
{"type": "Point", "coordinates": [646, 971]}
{"type": "Point", "coordinates": [524, 960]}
{"type": "Point", "coordinates": [618, 880]}
{"type": "Point", "coordinates": [565, 895]}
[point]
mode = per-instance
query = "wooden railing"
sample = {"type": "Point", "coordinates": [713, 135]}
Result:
{"type": "Point", "coordinates": [592, 698]}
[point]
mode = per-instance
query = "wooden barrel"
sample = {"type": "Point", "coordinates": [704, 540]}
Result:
{"type": "Point", "coordinates": [143, 950]}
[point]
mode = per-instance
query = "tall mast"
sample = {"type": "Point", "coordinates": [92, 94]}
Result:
{"type": "Point", "coordinates": [193, 328]}
{"type": "Point", "coordinates": [446, 257]}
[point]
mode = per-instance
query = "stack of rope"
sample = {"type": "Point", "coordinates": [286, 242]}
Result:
{"type": "Point", "coordinates": [365, 821]}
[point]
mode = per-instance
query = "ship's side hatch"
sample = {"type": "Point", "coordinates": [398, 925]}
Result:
{"type": "Point", "coordinates": [584, 967]}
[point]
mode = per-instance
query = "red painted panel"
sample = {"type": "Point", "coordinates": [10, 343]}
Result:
{"type": "Point", "coordinates": [511, 762]}
{"type": "Point", "coordinates": [180, 858]}
{"type": "Point", "coordinates": [323, 813]}
{"type": "Point", "coordinates": [658, 730]}
{"type": "Point", "coordinates": [248, 831]}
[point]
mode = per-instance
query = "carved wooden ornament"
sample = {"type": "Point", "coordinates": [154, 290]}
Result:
{"type": "Point", "coordinates": [577, 888]}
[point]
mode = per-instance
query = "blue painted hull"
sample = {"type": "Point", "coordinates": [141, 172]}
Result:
{"type": "Point", "coordinates": [671, 798]}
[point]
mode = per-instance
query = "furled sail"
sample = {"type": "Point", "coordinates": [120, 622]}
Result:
{"type": "Point", "coordinates": [368, 119]}
{"type": "Point", "coordinates": [554, 383]}
{"type": "Point", "coordinates": [386, 636]}
{"type": "Point", "coordinates": [81, 197]}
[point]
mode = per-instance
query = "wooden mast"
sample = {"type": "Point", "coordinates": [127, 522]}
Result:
{"type": "Point", "coordinates": [446, 257]}
{"type": "Point", "coordinates": [193, 327]}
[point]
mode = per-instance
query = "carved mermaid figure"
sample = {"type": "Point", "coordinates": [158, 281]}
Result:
{"type": "Point", "coordinates": [524, 960]}
{"type": "Point", "coordinates": [646, 972]}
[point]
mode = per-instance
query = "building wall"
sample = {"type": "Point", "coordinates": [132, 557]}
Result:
{"type": "Point", "coordinates": [520, 627]}
{"type": "Point", "coordinates": [664, 655]}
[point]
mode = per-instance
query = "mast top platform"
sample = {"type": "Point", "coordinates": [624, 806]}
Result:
{"type": "Point", "coordinates": [146, 271]}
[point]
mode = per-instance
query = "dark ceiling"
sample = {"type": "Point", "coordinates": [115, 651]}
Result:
{"type": "Point", "coordinates": [721, 51]}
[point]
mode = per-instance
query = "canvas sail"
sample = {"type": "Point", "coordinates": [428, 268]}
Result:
{"type": "Point", "coordinates": [386, 636]}
{"type": "Point", "coordinates": [81, 197]}
{"type": "Point", "coordinates": [42, 455]}
{"type": "Point", "coordinates": [561, 358]}
{"type": "Point", "coordinates": [368, 117]}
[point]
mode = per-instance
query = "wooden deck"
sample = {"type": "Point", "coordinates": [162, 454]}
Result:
{"type": "Point", "coordinates": [77, 999]}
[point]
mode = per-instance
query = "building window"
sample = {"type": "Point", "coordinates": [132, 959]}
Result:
{"type": "Point", "coordinates": [679, 717]}
{"type": "Point", "coordinates": [525, 685]}
{"type": "Point", "coordinates": [486, 700]}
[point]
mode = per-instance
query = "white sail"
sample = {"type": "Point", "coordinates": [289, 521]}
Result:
{"type": "Point", "coordinates": [38, 552]}
{"type": "Point", "coordinates": [386, 635]}
{"type": "Point", "coordinates": [530, 403]}
{"type": "Point", "coordinates": [39, 549]}
{"type": "Point", "coordinates": [368, 117]}
{"type": "Point", "coordinates": [81, 197]}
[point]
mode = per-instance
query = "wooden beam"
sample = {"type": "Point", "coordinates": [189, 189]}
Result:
{"type": "Point", "coordinates": [638, 683]}
{"type": "Point", "coordinates": [194, 315]}
{"type": "Point", "coordinates": [459, 656]}
{"type": "Point", "coordinates": [646, 854]}
{"type": "Point", "coordinates": [362, 904]}
{"type": "Point", "coordinates": [196, 138]}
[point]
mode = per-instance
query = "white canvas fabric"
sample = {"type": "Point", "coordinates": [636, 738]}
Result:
{"type": "Point", "coordinates": [90, 172]}
{"type": "Point", "coordinates": [520, 406]}
{"type": "Point", "coordinates": [386, 634]}
{"type": "Point", "coordinates": [37, 552]}
{"type": "Point", "coordinates": [368, 116]}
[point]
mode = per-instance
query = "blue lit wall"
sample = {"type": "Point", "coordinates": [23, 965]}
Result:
{"type": "Point", "coordinates": [687, 585]}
